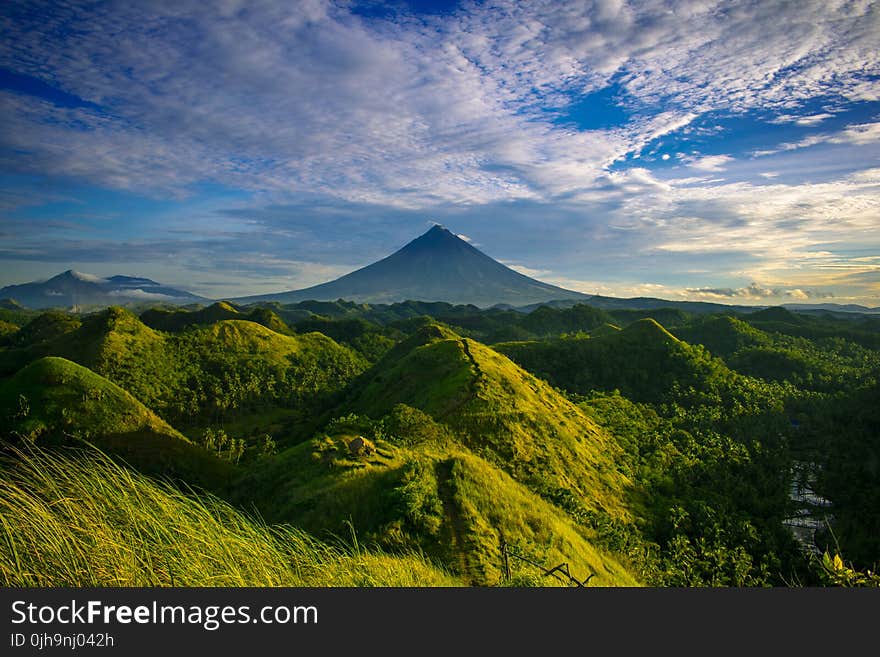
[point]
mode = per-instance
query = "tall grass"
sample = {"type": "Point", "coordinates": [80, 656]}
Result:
{"type": "Point", "coordinates": [79, 519]}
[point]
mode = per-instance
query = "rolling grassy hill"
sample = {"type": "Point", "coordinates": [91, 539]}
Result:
{"type": "Point", "coordinates": [205, 372]}
{"type": "Point", "coordinates": [467, 449]}
{"type": "Point", "coordinates": [55, 401]}
{"type": "Point", "coordinates": [644, 361]}
{"type": "Point", "coordinates": [418, 488]}
{"type": "Point", "coordinates": [633, 454]}
{"type": "Point", "coordinates": [723, 336]}
{"type": "Point", "coordinates": [500, 412]}
{"type": "Point", "coordinates": [176, 320]}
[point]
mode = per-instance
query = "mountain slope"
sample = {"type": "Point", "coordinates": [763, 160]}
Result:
{"type": "Point", "coordinates": [438, 266]}
{"type": "Point", "coordinates": [78, 519]}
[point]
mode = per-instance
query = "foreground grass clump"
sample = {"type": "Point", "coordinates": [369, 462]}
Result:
{"type": "Point", "coordinates": [82, 520]}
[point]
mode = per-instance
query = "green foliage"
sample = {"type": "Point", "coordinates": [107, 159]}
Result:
{"type": "Point", "coordinates": [779, 320]}
{"type": "Point", "coordinates": [446, 503]}
{"type": "Point", "coordinates": [834, 572]}
{"type": "Point", "coordinates": [366, 338]}
{"type": "Point", "coordinates": [47, 326]}
{"type": "Point", "coordinates": [420, 506]}
{"type": "Point", "coordinates": [177, 320]}
{"type": "Point", "coordinates": [713, 505]}
{"type": "Point", "coordinates": [7, 331]}
{"type": "Point", "coordinates": [54, 401]}
{"type": "Point", "coordinates": [841, 435]}
{"type": "Point", "coordinates": [56, 396]}
{"type": "Point", "coordinates": [219, 443]}
{"type": "Point", "coordinates": [405, 425]}
{"type": "Point", "coordinates": [723, 336]}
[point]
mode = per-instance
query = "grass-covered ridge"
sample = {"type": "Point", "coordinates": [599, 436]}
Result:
{"type": "Point", "coordinates": [500, 412]}
{"type": "Point", "coordinates": [644, 361]}
{"type": "Point", "coordinates": [418, 488]}
{"type": "Point", "coordinates": [82, 520]}
{"type": "Point", "coordinates": [176, 320]}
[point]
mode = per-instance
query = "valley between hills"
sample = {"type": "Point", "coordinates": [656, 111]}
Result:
{"type": "Point", "coordinates": [340, 443]}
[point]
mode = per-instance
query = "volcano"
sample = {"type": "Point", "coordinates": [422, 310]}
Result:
{"type": "Point", "coordinates": [73, 289]}
{"type": "Point", "coordinates": [437, 266]}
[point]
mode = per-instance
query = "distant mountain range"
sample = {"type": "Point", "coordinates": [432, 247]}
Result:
{"type": "Point", "coordinates": [649, 303]}
{"type": "Point", "coordinates": [437, 266]}
{"type": "Point", "coordinates": [73, 289]}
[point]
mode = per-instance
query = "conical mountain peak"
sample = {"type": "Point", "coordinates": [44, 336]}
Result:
{"type": "Point", "coordinates": [436, 266]}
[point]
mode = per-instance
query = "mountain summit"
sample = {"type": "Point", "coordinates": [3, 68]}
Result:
{"type": "Point", "coordinates": [437, 266]}
{"type": "Point", "coordinates": [76, 289]}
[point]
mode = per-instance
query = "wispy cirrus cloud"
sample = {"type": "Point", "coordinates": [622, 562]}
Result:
{"type": "Point", "coordinates": [282, 97]}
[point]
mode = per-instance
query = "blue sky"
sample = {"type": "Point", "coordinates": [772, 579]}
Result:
{"type": "Point", "coordinates": [718, 151]}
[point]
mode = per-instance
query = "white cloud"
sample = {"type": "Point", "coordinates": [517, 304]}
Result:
{"type": "Point", "coordinates": [142, 295]}
{"type": "Point", "coordinates": [756, 292]}
{"type": "Point", "coordinates": [863, 133]}
{"type": "Point", "coordinates": [810, 120]}
{"type": "Point", "coordinates": [283, 98]}
{"type": "Point", "coordinates": [858, 134]}
{"type": "Point", "coordinates": [527, 271]}
{"type": "Point", "coordinates": [710, 162]}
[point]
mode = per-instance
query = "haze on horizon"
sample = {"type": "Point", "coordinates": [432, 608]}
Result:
{"type": "Point", "coordinates": [714, 151]}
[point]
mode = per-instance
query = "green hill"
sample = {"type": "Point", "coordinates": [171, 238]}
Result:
{"type": "Point", "coordinates": [56, 401]}
{"type": "Point", "coordinates": [817, 363]}
{"type": "Point", "coordinates": [177, 320]}
{"type": "Point", "coordinates": [416, 488]}
{"type": "Point", "coordinates": [240, 365]}
{"type": "Point", "coordinates": [99, 341]}
{"type": "Point", "coordinates": [644, 361]}
{"type": "Point", "coordinates": [464, 449]}
{"type": "Point", "coordinates": [673, 317]}
{"type": "Point", "coordinates": [545, 321]}
{"type": "Point", "coordinates": [723, 336]}
{"type": "Point", "coordinates": [47, 326]}
{"type": "Point", "coordinates": [501, 412]}
{"type": "Point", "coordinates": [62, 395]}
{"type": "Point", "coordinates": [605, 329]}
{"type": "Point", "coordinates": [863, 330]}
{"type": "Point", "coordinates": [204, 372]}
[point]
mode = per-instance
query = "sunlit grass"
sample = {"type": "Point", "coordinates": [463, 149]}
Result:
{"type": "Point", "coordinates": [83, 520]}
